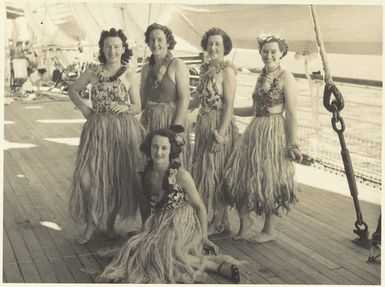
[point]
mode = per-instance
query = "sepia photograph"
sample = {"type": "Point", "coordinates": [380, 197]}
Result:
{"type": "Point", "coordinates": [192, 142]}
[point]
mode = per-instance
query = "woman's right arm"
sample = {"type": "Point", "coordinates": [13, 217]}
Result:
{"type": "Point", "coordinates": [143, 76]}
{"type": "Point", "coordinates": [74, 90]}
{"type": "Point", "coordinates": [187, 183]}
{"type": "Point", "coordinates": [245, 111]}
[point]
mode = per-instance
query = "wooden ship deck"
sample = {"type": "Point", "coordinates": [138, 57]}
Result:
{"type": "Point", "coordinates": [313, 245]}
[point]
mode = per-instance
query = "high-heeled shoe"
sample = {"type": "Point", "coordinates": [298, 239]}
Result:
{"type": "Point", "coordinates": [234, 277]}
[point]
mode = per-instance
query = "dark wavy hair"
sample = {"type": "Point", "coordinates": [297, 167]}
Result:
{"type": "Point", "coordinates": [176, 146]}
{"type": "Point", "coordinates": [169, 36]}
{"type": "Point", "coordinates": [227, 43]}
{"type": "Point", "coordinates": [114, 33]}
{"type": "Point", "coordinates": [283, 47]}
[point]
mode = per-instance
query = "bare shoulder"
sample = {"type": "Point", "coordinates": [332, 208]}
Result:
{"type": "Point", "coordinates": [183, 176]}
{"type": "Point", "coordinates": [229, 72]}
{"type": "Point", "coordinates": [130, 75]}
{"type": "Point", "coordinates": [178, 64]}
{"type": "Point", "coordinates": [90, 75]}
{"type": "Point", "coordinates": [286, 76]}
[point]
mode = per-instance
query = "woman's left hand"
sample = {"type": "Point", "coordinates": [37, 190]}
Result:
{"type": "Point", "coordinates": [211, 244]}
{"type": "Point", "coordinates": [295, 154]}
{"type": "Point", "coordinates": [215, 146]}
{"type": "Point", "coordinates": [118, 108]}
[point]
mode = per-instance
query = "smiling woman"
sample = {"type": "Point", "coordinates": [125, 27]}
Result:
{"type": "Point", "coordinates": [260, 172]}
{"type": "Point", "coordinates": [215, 131]}
{"type": "Point", "coordinates": [105, 179]}
{"type": "Point", "coordinates": [164, 90]}
{"type": "Point", "coordinates": [170, 247]}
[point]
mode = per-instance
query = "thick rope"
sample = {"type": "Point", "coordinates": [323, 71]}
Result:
{"type": "Point", "coordinates": [328, 78]}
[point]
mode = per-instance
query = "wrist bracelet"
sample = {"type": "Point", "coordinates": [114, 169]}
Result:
{"type": "Point", "coordinates": [218, 138]}
{"type": "Point", "coordinates": [292, 146]}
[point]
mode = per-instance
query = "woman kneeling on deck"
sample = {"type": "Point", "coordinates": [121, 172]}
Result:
{"type": "Point", "coordinates": [260, 171]}
{"type": "Point", "coordinates": [106, 182]}
{"type": "Point", "coordinates": [170, 247]}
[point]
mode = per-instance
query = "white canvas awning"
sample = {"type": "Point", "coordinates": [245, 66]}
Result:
{"type": "Point", "coordinates": [346, 29]}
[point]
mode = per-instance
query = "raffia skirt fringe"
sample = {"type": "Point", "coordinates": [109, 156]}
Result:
{"type": "Point", "coordinates": [109, 151]}
{"type": "Point", "coordinates": [259, 175]}
{"type": "Point", "coordinates": [208, 168]}
{"type": "Point", "coordinates": [161, 115]}
{"type": "Point", "coordinates": [151, 257]}
{"type": "Point", "coordinates": [163, 251]}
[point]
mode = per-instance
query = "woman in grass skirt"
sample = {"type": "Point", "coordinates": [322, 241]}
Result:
{"type": "Point", "coordinates": [105, 179]}
{"type": "Point", "coordinates": [165, 88]}
{"type": "Point", "coordinates": [260, 175]}
{"type": "Point", "coordinates": [170, 247]}
{"type": "Point", "coordinates": [215, 130]}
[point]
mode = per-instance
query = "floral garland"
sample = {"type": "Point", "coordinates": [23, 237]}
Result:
{"type": "Point", "coordinates": [267, 78]}
{"type": "Point", "coordinates": [158, 77]}
{"type": "Point", "coordinates": [208, 71]}
{"type": "Point", "coordinates": [174, 195]}
{"type": "Point", "coordinates": [99, 71]}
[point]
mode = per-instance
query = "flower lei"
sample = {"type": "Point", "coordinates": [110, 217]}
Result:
{"type": "Point", "coordinates": [208, 71]}
{"type": "Point", "coordinates": [157, 78]}
{"type": "Point", "coordinates": [100, 74]}
{"type": "Point", "coordinates": [267, 79]}
{"type": "Point", "coordinates": [173, 196]}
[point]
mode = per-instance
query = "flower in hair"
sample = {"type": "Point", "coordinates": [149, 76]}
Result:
{"type": "Point", "coordinates": [172, 177]}
{"type": "Point", "coordinates": [264, 38]}
{"type": "Point", "coordinates": [179, 140]}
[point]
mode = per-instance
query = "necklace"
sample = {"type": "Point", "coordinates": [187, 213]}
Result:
{"type": "Point", "coordinates": [267, 78]}
{"type": "Point", "coordinates": [167, 188]}
{"type": "Point", "coordinates": [207, 72]}
{"type": "Point", "coordinates": [101, 74]}
{"type": "Point", "coordinates": [158, 77]}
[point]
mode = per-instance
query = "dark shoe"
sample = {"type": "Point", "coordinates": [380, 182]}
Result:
{"type": "Point", "coordinates": [234, 272]}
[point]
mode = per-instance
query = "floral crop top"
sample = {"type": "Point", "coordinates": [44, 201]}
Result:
{"type": "Point", "coordinates": [174, 195]}
{"type": "Point", "coordinates": [267, 92]}
{"type": "Point", "coordinates": [207, 89]}
{"type": "Point", "coordinates": [108, 90]}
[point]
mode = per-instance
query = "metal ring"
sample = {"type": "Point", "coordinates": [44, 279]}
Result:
{"type": "Point", "coordinates": [357, 225]}
{"type": "Point", "coordinates": [338, 100]}
{"type": "Point", "coordinates": [338, 120]}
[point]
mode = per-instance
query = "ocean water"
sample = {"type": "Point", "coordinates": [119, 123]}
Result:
{"type": "Point", "coordinates": [350, 66]}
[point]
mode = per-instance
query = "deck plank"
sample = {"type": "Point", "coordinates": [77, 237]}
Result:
{"type": "Point", "coordinates": [76, 267]}
{"type": "Point", "coordinates": [29, 271]}
{"type": "Point", "coordinates": [337, 252]}
{"type": "Point", "coordinates": [330, 223]}
{"type": "Point", "coordinates": [46, 271]}
{"type": "Point", "coordinates": [8, 254]}
{"type": "Point", "coordinates": [249, 274]}
{"type": "Point", "coordinates": [61, 271]}
{"type": "Point", "coordinates": [12, 273]}
{"type": "Point", "coordinates": [91, 267]}
{"type": "Point", "coordinates": [334, 235]}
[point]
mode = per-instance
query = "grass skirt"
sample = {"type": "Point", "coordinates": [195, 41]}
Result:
{"type": "Point", "coordinates": [151, 257]}
{"type": "Point", "coordinates": [161, 115]}
{"type": "Point", "coordinates": [208, 168]}
{"type": "Point", "coordinates": [260, 176]}
{"type": "Point", "coordinates": [109, 150]}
